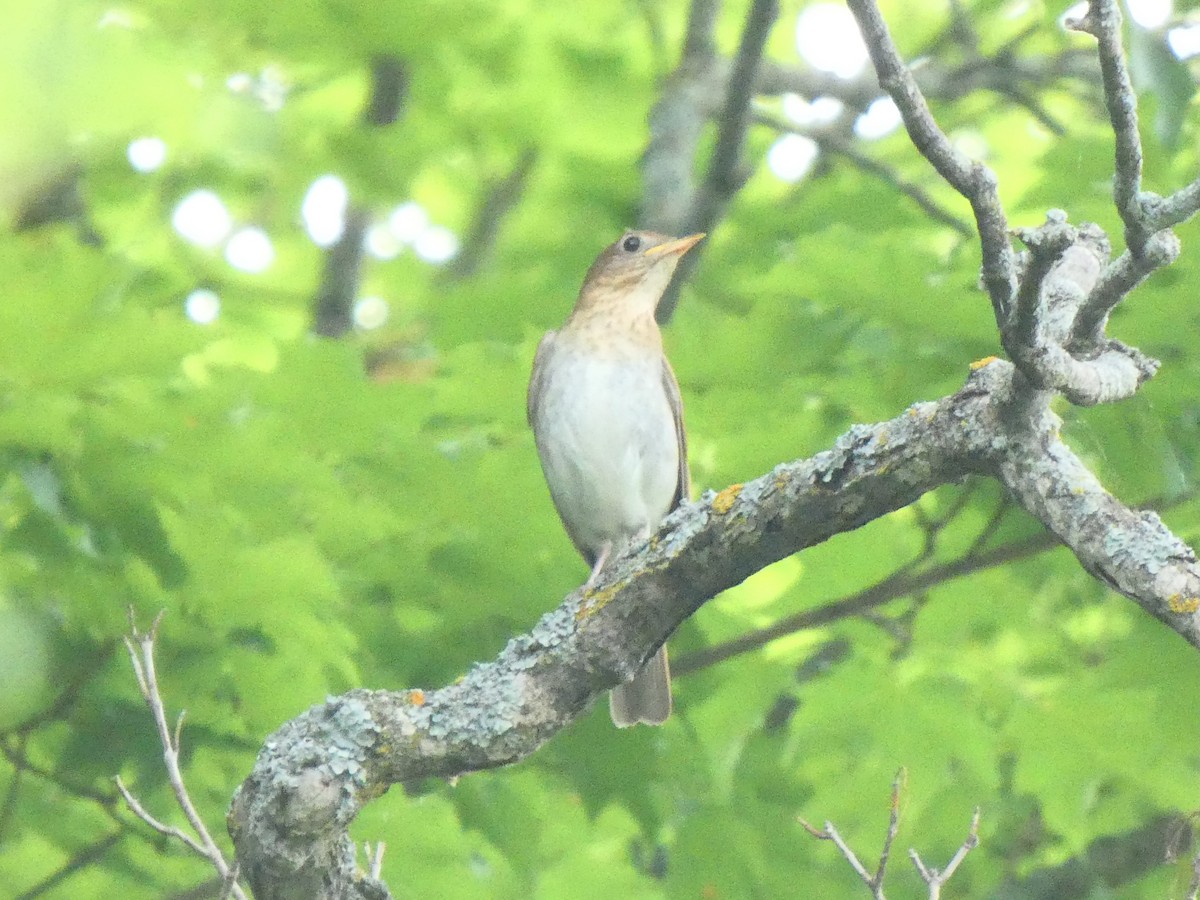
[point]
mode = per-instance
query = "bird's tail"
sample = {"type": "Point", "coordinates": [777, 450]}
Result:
{"type": "Point", "coordinates": [646, 697]}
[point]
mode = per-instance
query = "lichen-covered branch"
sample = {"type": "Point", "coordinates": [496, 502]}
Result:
{"type": "Point", "coordinates": [290, 817]}
{"type": "Point", "coordinates": [1103, 21]}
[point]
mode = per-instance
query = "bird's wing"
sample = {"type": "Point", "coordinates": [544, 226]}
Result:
{"type": "Point", "coordinates": [545, 348]}
{"type": "Point", "coordinates": [683, 487]}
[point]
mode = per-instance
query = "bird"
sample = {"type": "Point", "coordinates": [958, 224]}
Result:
{"type": "Point", "coordinates": [607, 419]}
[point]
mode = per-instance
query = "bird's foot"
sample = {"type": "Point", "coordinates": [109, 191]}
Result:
{"type": "Point", "coordinates": [601, 559]}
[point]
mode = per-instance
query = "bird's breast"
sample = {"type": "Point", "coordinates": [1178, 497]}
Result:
{"type": "Point", "coordinates": [606, 437]}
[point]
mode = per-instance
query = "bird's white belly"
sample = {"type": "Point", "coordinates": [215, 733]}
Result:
{"type": "Point", "coordinates": [606, 438]}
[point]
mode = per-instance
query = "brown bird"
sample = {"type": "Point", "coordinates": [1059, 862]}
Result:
{"type": "Point", "coordinates": [608, 422]}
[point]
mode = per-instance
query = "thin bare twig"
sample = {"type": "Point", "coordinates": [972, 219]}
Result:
{"type": "Point", "coordinates": [1163, 212]}
{"type": "Point", "coordinates": [874, 881]}
{"type": "Point", "coordinates": [161, 827]}
{"type": "Point", "coordinates": [934, 878]}
{"type": "Point", "coordinates": [830, 833]}
{"type": "Point", "coordinates": [8, 808]}
{"type": "Point", "coordinates": [1118, 279]}
{"type": "Point", "coordinates": [141, 655]}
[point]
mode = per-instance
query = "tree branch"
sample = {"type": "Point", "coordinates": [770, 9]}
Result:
{"type": "Point", "coordinates": [873, 880]}
{"type": "Point", "coordinates": [289, 818]}
{"type": "Point", "coordinates": [829, 141]}
{"type": "Point", "coordinates": [1103, 21]}
{"type": "Point", "coordinates": [500, 199]}
{"type": "Point", "coordinates": [676, 123]}
{"type": "Point", "coordinates": [141, 656]}
{"type": "Point", "coordinates": [81, 859]}
{"type": "Point", "coordinates": [933, 878]}
{"type": "Point", "coordinates": [893, 587]}
{"type": "Point", "coordinates": [726, 170]}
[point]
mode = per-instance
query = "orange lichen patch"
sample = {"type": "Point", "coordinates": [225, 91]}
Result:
{"type": "Point", "coordinates": [596, 601]}
{"type": "Point", "coordinates": [723, 502]}
{"type": "Point", "coordinates": [1183, 605]}
{"type": "Point", "coordinates": [371, 792]}
{"type": "Point", "coordinates": [416, 698]}
{"type": "Point", "coordinates": [980, 363]}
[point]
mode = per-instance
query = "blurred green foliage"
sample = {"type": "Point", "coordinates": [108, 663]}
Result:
{"type": "Point", "coordinates": [309, 528]}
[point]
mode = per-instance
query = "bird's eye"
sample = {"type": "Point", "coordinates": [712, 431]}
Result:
{"type": "Point", "coordinates": [631, 243]}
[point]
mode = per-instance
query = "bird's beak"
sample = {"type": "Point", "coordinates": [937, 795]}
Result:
{"type": "Point", "coordinates": [677, 247]}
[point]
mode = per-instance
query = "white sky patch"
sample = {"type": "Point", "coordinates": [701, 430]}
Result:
{"type": "Point", "coordinates": [970, 142]}
{"type": "Point", "coordinates": [250, 250]}
{"type": "Point", "coordinates": [436, 244]}
{"type": "Point", "coordinates": [146, 154]}
{"type": "Point", "coordinates": [1074, 14]}
{"type": "Point", "coordinates": [370, 312]}
{"type": "Point", "coordinates": [202, 306]}
{"type": "Point", "coordinates": [324, 210]}
{"type": "Point", "coordinates": [827, 38]}
{"type": "Point", "coordinates": [269, 87]}
{"type": "Point", "coordinates": [1151, 13]}
{"type": "Point", "coordinates": [791, 157]}
{"type": "Point", "coordinates": [201, 217]}
{"type": "Point", "coordinates": [1184, 41]}
{"type": "Point", "coordinates": [407, 221]}
{"type": "Point", "coordinates": [881, 119]}
{"type": "Point", "coordinates": [381, 243]}
{"type": "Point", "coordinates": [115, 18]}
{"type": "Point", "coordinates": [821, 111]}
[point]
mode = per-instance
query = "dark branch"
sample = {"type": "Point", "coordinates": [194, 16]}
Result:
{"type": "Point", "coordinates": [500, 200]}
{"type": "Point", "coordinates": [882, 592]}
{"type": "Point", "coordinates": [829, 141]}
{"type": "Point", "coordinates": [334, 306]}
{"type": "Point", "coordinates": [81, 859]}
{"type": "Point", "coordinates": [727, 171]}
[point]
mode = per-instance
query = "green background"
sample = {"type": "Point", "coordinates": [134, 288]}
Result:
{"type": "Point", "coordinates": [311, 527]}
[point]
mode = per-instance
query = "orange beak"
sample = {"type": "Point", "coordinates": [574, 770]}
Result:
{"type": "Point", "coordinates": [677, 247]}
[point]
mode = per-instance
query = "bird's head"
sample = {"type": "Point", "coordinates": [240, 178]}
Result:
{"type": "Point", "coordinates": [634, 270]}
